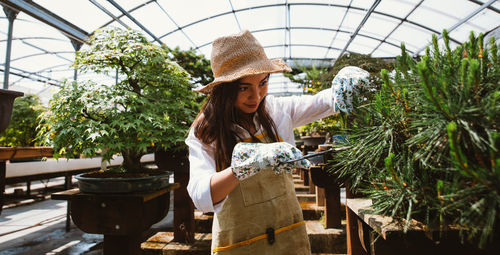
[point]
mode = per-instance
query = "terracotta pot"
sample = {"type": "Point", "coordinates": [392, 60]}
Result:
{"type": "Point", "coordinates": [6, 103]}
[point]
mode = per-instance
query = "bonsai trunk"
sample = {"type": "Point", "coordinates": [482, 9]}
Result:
{"type": "Point", "coordinates": [132, 160]}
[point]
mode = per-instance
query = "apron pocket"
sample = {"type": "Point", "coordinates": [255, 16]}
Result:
{"type": "Point", "coordinates": [262, 187]}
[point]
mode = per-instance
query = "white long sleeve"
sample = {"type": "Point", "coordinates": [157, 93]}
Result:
{"type": "Point", "coordinates": [287, 113]}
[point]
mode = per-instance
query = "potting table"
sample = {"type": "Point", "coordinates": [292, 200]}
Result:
{"type": "Point", "coordinates": [123, 218]}
{"type": "Point", "coordinates": [8, 153]}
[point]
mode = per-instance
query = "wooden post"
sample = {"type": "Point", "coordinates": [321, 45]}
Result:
{"type": "Point", "coordinates": [320, 196]}
{"type": "Point", "coordinates": [354, 246]}
{"type": "Point", "coordinates": [183, 205]}
{"type": "Point", "coordinates": [312, 187]}
{"type": "Point", "coordinates": [332, 206]}
{"type": "Point", "coordinates": [28, 188]}
{"type": "Point", "coordinates": [2, 182]}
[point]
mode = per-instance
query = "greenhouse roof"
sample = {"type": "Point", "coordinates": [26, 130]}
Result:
{"type": "Point", "coordinates": [303, 33]}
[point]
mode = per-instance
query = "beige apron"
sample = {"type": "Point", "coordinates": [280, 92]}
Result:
{"type": "Point", "coordinates": [261, 202]}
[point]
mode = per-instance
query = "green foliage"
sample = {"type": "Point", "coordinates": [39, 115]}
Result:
{"type": "Point", "coordinates": [312, 80]}
{"type": "Point", "coordinates": [196, 65]}
{"type": "Point", "coordinates": [152, 106]}
{"type": "Point", "coordinates": [22, 127]}
{"type": "Point", "coordinates": [426, 147]}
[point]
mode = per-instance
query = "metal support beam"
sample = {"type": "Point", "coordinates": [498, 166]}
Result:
{"type": "Point", "coordinates": [126, 13]}
{"type": "Point", "coordinates": [76, 45]}
{"type": "Point", "coordinates": [360, 26]}
{"type": "Point", "coordinates": [11, 15]}
{"type": "Point", "coordinates": [47, 17]}
{"type": "Point", "coordinates": [472, 14]}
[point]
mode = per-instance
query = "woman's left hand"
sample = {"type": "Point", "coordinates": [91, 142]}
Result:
{"type": "Point", "coordinates": [346, 85]}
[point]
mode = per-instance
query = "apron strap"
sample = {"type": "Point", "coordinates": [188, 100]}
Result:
{"type": "Point", "coordinates": [257, 238]}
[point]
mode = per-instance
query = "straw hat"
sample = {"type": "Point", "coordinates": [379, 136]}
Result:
{"type": "Point", "coordinates": [237, 56]}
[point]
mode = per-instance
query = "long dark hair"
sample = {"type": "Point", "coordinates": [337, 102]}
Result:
{"type": "Point", "coordinates": [215, 121]}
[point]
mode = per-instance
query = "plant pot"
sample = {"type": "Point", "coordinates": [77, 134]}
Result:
{"type": "Point", "coordinates": [108, 182]}
{"type": "Point", "coordinates": [123, 219]}
{"type": "Point", "coordinates": [6, 103]}
{"type": "Point", "coordinates": [313, 140]}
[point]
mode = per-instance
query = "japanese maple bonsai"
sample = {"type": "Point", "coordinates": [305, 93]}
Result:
{"type": "Point", "coordinates": [150, 106]}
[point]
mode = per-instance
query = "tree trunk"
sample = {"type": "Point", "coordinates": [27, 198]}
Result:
{"type": "Point", "coordinates": [132, 161]}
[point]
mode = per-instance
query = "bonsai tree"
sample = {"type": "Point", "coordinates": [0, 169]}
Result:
{"type": "Point", "coordinates": [24, 121]}
{"type": "Point", "coordinates": [152, 104]}
{"type": "Point", "coordinates": [427, 146]}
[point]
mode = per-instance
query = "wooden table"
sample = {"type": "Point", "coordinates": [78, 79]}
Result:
{"type": "Point", "coordinates": [122, 218]}
{"type": "Point", "coordinates": [384, 235]}
{"type": "Point", "coordinates": [8, 153]}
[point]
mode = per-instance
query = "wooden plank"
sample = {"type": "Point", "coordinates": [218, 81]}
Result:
{"type": "Point", "coordinates": [145, 196]}
{"type": "Point", "coordinates": [65, 195]}
{"type": "Point", "coordinates": [25, 152]}
{"type": "Point", "coordinates": [383, 225]}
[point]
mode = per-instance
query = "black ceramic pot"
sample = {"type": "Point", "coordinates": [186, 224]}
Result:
{"type": "Point", "coordinates": [6, 103]}
{"type": "Point", "coordinates": [99, 182]}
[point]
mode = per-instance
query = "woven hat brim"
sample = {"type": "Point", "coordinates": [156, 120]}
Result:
{"type": "Point", "coordinates": [275, 66]}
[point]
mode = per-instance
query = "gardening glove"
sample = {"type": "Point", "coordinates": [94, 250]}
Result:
{"type": "Point", "coordinates": [347, 84]}
{"type": "Point", "coordinates": [249, 158]}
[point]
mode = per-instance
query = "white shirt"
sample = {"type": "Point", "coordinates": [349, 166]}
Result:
{"type": "Point", "coordinates": [287, 113]}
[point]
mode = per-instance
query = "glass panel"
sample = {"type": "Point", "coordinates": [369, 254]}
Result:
{"type": "Point", "coordinates": [188, 11]}
{"type": "Point", "coordinates": [270, 37]}
{"type": "Point", "coordinates": [336, 2]}
{"type": "Point", "coordinates": [315, 16]}
{"type": "Point", "coordinates": [25, 26]}
{"type": "Point", "coordinates": [378, 26]}
{"type": "Point", "coordinates": [262, 18]}
{"type": "Point", "coordinates": [311, 36]}
{"type": "Point", "coordinates": [484, 21]}
{"type": "Point", "coordinates": [414, 37]}
{"type": "Point", "coordinates": [242, 4]}
{"type": "Point", "coordinates": [20, 48]}
{"type": "Point", "coordinates": [396, 8]}
{"type": "Point", "coordinates": [362, 45]}
{"type": "Point", "coordinates": [333, 54]}
{"type": "Point", "coordinates": [462, 32]}
{"type": "Point", "coordinates": [386, 50]}
{"type": "Point", "coordinates": [77, 12]}
{"type": "Point", "coordinates": [365, 4]}
{"type": "Point", "coordinates": [352, 20]}
{"type": "Point", "coordinates": [340, 40]}
{"type": "Point", "coordinates": [308, 52]}
{"type": "Point", "coordinates": [177, 39]}
{"type": "Point", "coordinates": [110, 8]}
{"type": "Point", "coordinates": [444, 14]}
{"type": "Point", "coordinates": [154, 19]}
{"type": "Point", "coordinates": [276, 52]}
{"type": "Point", "coordinates": [210, 29]}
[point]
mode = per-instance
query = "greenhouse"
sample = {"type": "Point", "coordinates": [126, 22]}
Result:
{"type": "Point", "coordinates": [250, 127]}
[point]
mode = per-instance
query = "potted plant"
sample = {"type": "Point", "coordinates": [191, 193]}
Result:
{"type": "Point", "coordinates": [426, 148]}
{"type": "Point", "coordinates": [150, 106]}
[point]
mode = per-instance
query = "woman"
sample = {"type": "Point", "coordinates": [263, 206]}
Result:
{"type": "Point", "coordinates": [256, 210]}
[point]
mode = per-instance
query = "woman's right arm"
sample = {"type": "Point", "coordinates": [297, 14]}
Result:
{"type": "Point", "coordinates": [221, 184]}
{"type": "Point", "coordinates": [207, 187]}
